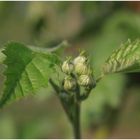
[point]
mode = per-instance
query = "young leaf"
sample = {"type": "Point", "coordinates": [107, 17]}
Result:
{"type": "Point", "coordinates": [126, 59]}
{"type": "Point", "coordinates": [27, 71]}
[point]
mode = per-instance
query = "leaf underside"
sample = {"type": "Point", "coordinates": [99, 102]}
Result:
{"type": "Point", "coordinates": [126, 59]}
{"type": "Point", "coordinates": [27, 71]}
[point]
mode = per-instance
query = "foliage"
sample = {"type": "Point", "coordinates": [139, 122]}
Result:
{"type": "Point", "coordinates": [100, 31]}
{"type": "Point", "coordinates": [125, 59]}
{"type": "Point", "coordinates": [27, 70]}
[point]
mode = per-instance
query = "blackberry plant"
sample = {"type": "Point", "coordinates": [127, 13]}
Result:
{"type": "Point", "coordinates": [28, 69]}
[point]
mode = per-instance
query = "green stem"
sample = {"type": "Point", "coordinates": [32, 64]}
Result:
{"type": "Point", "coordinates": [76, 118]}
{"type": "Point", "coordinates": [52, 49]}
{"type": "Point", "coordinates": [99, 78]}
{"type": "Point", "coordinates": [76, 122]}
{"type": "Point", "coordinates": [63, 103]}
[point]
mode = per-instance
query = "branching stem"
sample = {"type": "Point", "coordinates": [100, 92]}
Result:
{"type": "Point", "coordinates": [72, 105]}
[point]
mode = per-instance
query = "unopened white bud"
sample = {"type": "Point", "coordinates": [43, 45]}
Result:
{"type": "Point", "coordinates": [67, 67]}
{"type": "Point", "coordinates": [82, 69]}
{"type": "Point", "coordinates": [86, 80]}
{"type": "Point", "coordinates": [69, 83]}
{"type": "Point", "coordinates": [79, 59]}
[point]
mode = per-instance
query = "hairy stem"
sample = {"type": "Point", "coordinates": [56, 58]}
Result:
{"type": "Point", "coordinates": [76, 119]}
{"type": "Point", "coordinates": [76, 122]}
{"type": "Point", "coordinates": [72, 103]}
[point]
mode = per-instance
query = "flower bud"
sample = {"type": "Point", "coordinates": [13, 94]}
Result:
{"type": "Point", "coordinates": [79, 59]}
{"type": "Point", "coordinates": [67, 67]}
{"type": "Point", "coordinates": [69, 83]}
{"type": "Point", "coordinates": [86, 80]}
{"type": "Point", "coordinates": [82, 69]}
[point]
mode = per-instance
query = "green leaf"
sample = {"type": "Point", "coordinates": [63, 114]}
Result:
{"type": "Point", "coordinates": [27, 71]}
{"type": "Point", "coordinates": [2, 56]}
{"type": "Point", "coordinates": [126, 59]}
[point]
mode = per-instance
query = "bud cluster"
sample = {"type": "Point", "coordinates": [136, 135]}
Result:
{"type": "Point", "coordinates": [81, 68]}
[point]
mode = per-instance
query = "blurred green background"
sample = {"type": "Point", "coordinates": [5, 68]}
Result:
{"type": "Point", "coordinates": [113, 108]}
